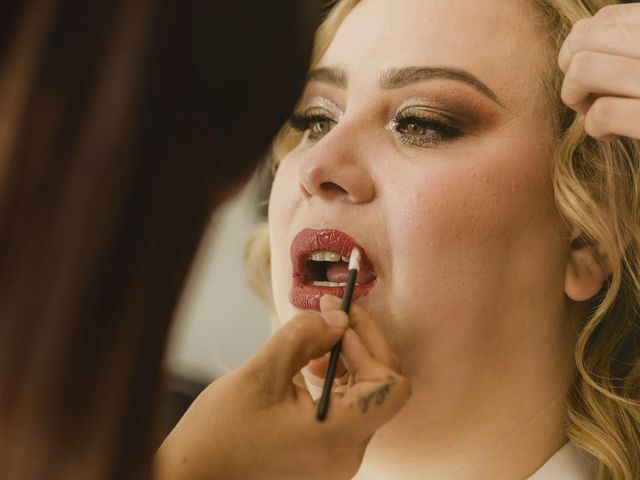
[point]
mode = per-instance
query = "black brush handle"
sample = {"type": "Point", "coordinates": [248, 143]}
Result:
{"type": "Point", "coordinates": [323, 405]}
{"type": "Point", "coordinates": [348, 291]}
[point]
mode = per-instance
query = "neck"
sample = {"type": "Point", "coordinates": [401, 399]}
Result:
{"type": "Point", "coordinates": [492, 417]}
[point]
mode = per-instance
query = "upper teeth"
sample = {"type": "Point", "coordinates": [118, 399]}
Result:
{"type": "Point", "coordinates": [326, 256]}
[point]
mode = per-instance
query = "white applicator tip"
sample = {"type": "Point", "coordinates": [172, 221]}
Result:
{"type": "Point", "coordinates": [354, 260]}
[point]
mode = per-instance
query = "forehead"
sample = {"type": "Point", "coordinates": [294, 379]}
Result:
{"type": "Point", "coordinates": [503, 42]}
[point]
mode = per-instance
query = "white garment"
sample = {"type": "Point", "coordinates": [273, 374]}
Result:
{"type": "Point", "coordinates": [568, 463]}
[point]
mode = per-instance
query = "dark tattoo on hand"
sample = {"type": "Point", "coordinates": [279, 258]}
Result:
{"type": "Point", "coordinates": [377, 395]}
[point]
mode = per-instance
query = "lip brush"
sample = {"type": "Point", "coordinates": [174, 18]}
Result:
{"type": "Point", "coordinates": [354, 268]}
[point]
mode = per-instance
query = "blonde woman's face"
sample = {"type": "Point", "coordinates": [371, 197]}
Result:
{"type": "Point", "coordinates": [427, 145]}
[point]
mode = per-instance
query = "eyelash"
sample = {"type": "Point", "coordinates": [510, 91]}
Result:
{"type": "Point", "coordinates": [303, 122]}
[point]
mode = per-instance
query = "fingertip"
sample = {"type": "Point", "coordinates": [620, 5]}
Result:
{"type": "Point", "coordinates": [329, 302]}
{"type": "Point", "coordinates": [352, 338]}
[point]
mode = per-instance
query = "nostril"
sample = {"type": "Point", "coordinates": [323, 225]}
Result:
{"type": "Point", "coordinates": [332, 187]}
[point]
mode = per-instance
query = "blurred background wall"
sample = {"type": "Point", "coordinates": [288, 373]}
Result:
{"type": "Point", "coordinates": [220, 321]}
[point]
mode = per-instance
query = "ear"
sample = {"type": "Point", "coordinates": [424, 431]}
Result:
{"type": "Point", "coordinates": [587, 268]}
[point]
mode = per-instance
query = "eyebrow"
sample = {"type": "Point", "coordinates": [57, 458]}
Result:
{"type": "Point", "coordinates": [332, 76]}
{"type": "Point", "coordinates": [401, 77]}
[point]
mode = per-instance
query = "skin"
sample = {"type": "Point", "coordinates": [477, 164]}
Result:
{"type": "Point", "coordinates": [478, 282]}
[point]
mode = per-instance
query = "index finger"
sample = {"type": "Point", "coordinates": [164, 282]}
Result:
{"type": "Point", "coordinates": [593, 35]}
{"type": "Point", "coordinates": [623, 13]}
{"type": "Point", "coordinates": [367, 329]}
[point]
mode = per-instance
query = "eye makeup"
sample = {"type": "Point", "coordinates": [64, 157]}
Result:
{"type": "Point", "coordinates": [414, 125]}
{"type": "Point", "coordinates": [439, 118]}
{"type": "Point", "coordinates": [418, 126]}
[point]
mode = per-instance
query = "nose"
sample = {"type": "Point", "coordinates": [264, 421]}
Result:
{"type": "Point", "coordinates": [335, 170]}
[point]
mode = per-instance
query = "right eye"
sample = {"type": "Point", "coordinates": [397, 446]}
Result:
{"type": "Point", "coordinates": [316, 123]}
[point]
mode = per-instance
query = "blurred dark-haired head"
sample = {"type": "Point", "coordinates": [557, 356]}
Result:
{"type": "Point", "coordinates": [122, 124]}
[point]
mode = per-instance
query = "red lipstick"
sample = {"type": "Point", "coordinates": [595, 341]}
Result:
{"type": "Point", "coordinates": [305, 292]}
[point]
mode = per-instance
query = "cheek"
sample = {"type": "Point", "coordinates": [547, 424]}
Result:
{"type": "Point", "coordinates": [474, 245]}
{"type": "Point", "coordinates": [466, 208]}
{"type": "Point", "coordinates": [469, 228]}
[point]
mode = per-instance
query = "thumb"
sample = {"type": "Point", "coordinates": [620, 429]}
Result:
{"type": "Point", "coordinates": [301, 339]}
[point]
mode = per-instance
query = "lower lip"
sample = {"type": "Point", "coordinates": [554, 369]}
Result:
{"type": "Point", "coordinates": [306, 296]}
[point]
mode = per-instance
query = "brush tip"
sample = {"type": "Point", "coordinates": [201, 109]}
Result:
{"type": "Point", "coordinates": [354, 260]}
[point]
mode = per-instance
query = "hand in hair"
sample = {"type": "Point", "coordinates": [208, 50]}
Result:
{"type": "Point", "coordinates": [257, 423]}
{"type": "Point", "coordinates": [601, 62]}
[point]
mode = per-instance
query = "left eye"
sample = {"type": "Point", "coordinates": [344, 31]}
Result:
{"type": "Point", "coordinates": [412, 128]}
{"type": "Point", "coordinates": [423, 132]}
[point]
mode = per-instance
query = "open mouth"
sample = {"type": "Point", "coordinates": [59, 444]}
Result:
{"type": "Point", "coordinates": [320, 260]}
{"type": "Point", "coordinates": [325, 268]}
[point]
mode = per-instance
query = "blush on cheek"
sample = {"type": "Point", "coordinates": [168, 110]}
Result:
{"type": "Point", "coordinates": [470, 222]}
{"type": "Point", "coordinates": [492, 197]}
{"type": "Point", "coordinates": [445, 208]}
{"type": "Point", "coordinates": [462, 246]}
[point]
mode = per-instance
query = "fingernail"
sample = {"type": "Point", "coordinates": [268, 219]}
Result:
{"type": "Point", "coordinates": [336, 319]}
{"type": "Point", "coordinates": [329, 302]}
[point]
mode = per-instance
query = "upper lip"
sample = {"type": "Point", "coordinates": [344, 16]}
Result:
{"type": "Point", "coordinates": [310, 240]}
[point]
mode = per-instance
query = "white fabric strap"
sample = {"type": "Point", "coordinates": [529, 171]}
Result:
{"type": "Point", "coordinates": [568, 463]}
